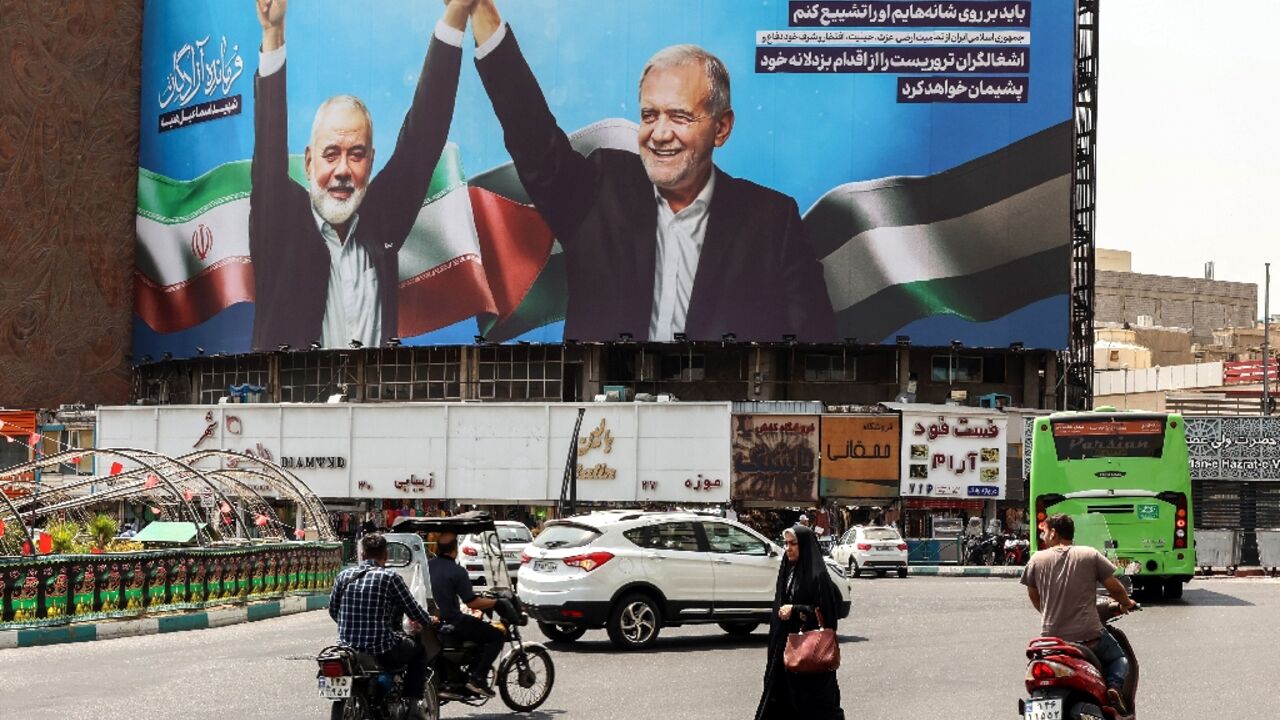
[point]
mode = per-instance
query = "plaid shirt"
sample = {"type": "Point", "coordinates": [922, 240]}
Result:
{"type": "Point", "coordinates": [368, 610]}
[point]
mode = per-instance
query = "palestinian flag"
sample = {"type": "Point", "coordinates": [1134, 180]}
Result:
{"type": "Point", "coordinates": [975, 243]}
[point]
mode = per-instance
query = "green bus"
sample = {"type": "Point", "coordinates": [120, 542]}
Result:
{"type": "Point", "coordinates": [1126, 479]}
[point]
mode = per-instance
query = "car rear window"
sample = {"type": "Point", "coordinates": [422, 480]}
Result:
{"type": "Point", "coordinates": [512, 534]}
{"type": "Point", "coordinates": [882, 534]}
{"type": "Point", "coordinates": [559, 536]}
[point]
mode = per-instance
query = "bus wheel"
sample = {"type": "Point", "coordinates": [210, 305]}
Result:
{"type": "Point", "coordinates": [1172, 589]}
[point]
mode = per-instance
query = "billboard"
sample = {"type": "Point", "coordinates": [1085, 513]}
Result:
{"type": "Point", "coordinates": [860, 456]}
{"type": "Point", "coordinates": [951, 453]}
{"type": "Point", "coordinates": [775, 457]}
{"type": "Point", "coordinates": [844, 170]}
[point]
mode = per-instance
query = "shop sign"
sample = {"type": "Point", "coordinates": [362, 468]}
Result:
{"type": "Point", "coordinates": [775, 457]}
{"type": "Point", "coordinates": [860, 456]}
{"type": "Point", "coordinates": [948, 455]}
{"type": "Point", "coordinates": [600, 438]}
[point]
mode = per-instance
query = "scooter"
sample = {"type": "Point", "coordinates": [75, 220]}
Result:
{"type": "Point", "coordinates": [1015, 550]}
{"type": "Point", "coordinates": [1065, 681]}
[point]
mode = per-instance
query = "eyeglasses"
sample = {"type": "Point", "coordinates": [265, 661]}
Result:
{"type": "Point", "coordinates": [677, 118]}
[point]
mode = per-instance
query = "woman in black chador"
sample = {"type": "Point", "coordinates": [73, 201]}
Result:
{"type": "Point", "coordinates": [803, 588]}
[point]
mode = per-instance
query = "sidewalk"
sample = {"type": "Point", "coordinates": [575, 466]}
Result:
{"type": "Point", "coordinates": [996, 571]}
{"type": "Point", "coordinates": [108, 629]}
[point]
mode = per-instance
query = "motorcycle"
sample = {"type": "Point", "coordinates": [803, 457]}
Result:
{"type": "Point", "coordinates": [524, 674]}
{"type": "Point", "coordinates": [1065, 681]}
{"type": "Point", "coordinates": [362, 690]}
{"type": "Point", "coordinates": [983, 549]}
{"type": "Point", "coordinates": [1015, 550]}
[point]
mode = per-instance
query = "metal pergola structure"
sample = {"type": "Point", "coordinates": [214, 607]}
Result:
{"type": "Point", "coordinates": [215, 489]}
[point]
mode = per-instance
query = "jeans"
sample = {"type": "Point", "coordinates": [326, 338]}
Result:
{"type": "Point", "coordinates": [408, 654]}
{"type": "Point", "coordinates": [1115, 665]}
{"type": "Point", "coordinates": [489, 637]}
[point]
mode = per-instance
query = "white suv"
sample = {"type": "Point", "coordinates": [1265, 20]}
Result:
{"type": "Point", "coordinates": [514, 537]}
{"type": "Point", "coordinates": [635, 572]}
{"type": "Point", "coordinates": [871, 548]}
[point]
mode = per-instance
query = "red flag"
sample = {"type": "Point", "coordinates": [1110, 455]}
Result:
{"type": "Point", "coordinates": [299, 533]}
{"type": "Point", "coordinates": [151, 482]}
{"type": "Point", "coordinates": [116, 468]}
{"type": "Point", "coordinates": [1, 521]}
{"type": "Point", "coordinates": [225, 508]}
{"type": "Point", "coordinates": [260, 520]}
{"type": "Point", "coordinates": [155, 511]}
{"type": "Point", "coordinates": [75, 460]}
{"type": "Point", "coordinates": [33, 439]}
{"type": "Point", "coordinates": [187, 494]}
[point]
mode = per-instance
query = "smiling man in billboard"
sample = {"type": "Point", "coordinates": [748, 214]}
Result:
{"type": "Point", "coordinates": [325, 257]}
{"type": "Point", "coordinates": [661, 241]}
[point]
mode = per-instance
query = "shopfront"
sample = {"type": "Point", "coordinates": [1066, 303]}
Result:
{"type": "Point", "coordinates": [374, 463]}
{"type": "Point", "coordinates": [860, 468]}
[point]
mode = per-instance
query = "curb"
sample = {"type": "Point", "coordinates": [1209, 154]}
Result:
{"type": "Point", "coordinates": [999, 571]}
{"type": "Point", "coordinates": [220, 617]}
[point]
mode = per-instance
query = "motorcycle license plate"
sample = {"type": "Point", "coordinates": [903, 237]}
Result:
{"type": "Point", "coordinates": [1045, 709]}
{"type": "Point", "coordinates": [335, 687]}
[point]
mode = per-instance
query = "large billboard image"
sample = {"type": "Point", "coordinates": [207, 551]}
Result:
{"type": "Point", "coordinates": [319, 173]}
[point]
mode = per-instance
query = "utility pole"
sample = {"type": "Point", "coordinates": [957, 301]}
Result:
{"type": "Point", "coordinates": [1266, 344]}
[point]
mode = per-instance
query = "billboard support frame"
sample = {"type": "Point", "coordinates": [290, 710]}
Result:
{"type": "Point", "coordinates": [1079, 366]}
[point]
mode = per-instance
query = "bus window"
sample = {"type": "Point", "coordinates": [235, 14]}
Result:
{"type": "Point", "coordinates": [1080, 440]}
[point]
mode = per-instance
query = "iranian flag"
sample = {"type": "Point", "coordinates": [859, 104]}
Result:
{"type": "Point", "coordinates": [478, 249]}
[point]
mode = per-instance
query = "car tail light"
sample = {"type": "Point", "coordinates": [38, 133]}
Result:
{"type": "Point", "coordinates": [1041, 670]}
{"type": "Point", "coordinates": [333, 668]}
{"type": "Point", "coordinates": [524, 557]}
{"type": "Point", "coordinates": [590, 561]}
{"type": "Point", "coordinates": [468, 550]}
{"type": "Point", "coordinates": [864, 546]}
{"type": "Point", "coordinates": [902, 546]}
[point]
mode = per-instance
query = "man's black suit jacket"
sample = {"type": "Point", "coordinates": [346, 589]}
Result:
{"type": "Point", "coordinates": [290, 258]}
{"type": "Point", "coordinates": [757, 276]}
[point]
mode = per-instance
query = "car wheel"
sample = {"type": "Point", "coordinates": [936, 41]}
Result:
{"type": "Point", "coordinates": [739, 629]}
{"type": "Point", "coordinates": [853, 568]}
{"type": "Point", "coordinates": [902, 572]}
{"type": "Point", "coordinates": [561, 633]}
{"type": "Point", "coordinates": [1172, 589]}
{"type": "Point", "coordinates": [634, 622]}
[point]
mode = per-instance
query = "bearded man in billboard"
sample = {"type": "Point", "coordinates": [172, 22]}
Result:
{"type": "Point", "coordinates": [660, 242]}
{"type": "Point", "coordinates": [325, 258]}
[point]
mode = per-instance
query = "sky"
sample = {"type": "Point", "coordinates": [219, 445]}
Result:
{"type": "Point", "coordinates": [1188, 139]}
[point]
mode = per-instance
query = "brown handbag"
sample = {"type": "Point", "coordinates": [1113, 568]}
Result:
{"type": "Point", "coordinates": [812, 651]}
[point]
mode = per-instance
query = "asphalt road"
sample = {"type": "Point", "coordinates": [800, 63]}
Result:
{"type": "Point", "coordinates": [914, 648]}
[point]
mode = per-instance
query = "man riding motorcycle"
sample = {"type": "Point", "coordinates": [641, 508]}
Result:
{"type": "Point", "coordinates": [451, 588]}
{"type": "Point", "coordinates": [367, 603]}
{"type": "Point", "coordinates": [1061, 582]}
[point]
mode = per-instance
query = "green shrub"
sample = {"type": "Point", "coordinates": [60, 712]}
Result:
{"type": "Point", "coordinates": [103, 529]}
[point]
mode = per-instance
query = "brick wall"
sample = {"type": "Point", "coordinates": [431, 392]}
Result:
{"type": "Point", "coordinates": [1199, 305]}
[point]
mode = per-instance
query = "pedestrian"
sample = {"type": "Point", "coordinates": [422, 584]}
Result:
{"type": "Point", "coordinates": [803, 590]}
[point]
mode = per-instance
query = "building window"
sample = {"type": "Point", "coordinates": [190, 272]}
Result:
{"type": "Point", "coordinates": [70, 439]}
{"type": "Point", "coordinates": [217, 375]}
{"type": "Point", "coordinates": [309, 377]}
{"type": "Point", "coordinates": [684, 368]}
{"type": "Point", "coordinates": [414, 374]}
{"type": "Point", "coordinates": [519, 372]}
{"type": "Point", "coordinates": [830, 368]}
{"type": "Point", "coordinates": [956, 368]}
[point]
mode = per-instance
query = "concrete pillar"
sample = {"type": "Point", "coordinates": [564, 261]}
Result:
{"type": "Point", "coordinates": [762, 374]}
{"type": "Point", "coordinates": [904, 368]}
{"type": "Point", "coordinates": [1050, 381]}
{"type": "Point", "coordinates": [1031, 381]}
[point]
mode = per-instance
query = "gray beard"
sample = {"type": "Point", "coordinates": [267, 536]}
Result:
{"type": "Point", "coordinates": [333, 210]}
